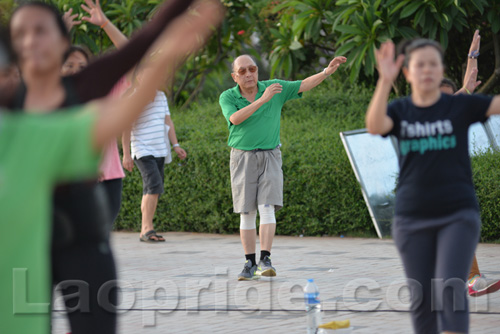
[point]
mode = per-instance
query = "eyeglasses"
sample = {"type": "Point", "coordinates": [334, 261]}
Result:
{"type": "Point", "coordinates": [251, 69]}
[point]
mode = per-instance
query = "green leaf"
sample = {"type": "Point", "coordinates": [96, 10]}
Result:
{"type": "Point", "coordinates": [354, 72]}
{"type": "Point", "coordinates": [495, 26]}
{"type": "Point", "coordinates": [276, 33]}
{"type": "Point", "coordinates": [347, 29]}
{"type": "Point", "coordinates": [410, 9]}
{"type": "Point", "coordinates": [478, 5]}
{"type": "Point", "coordinates": [295, 45]}
{"type": "Point", "coordinates": [397, 7]}
{"type": "Point", "coordinates": [358, 20]}
{"type": "Point", "coordinates": [407, 32]}
{"type": "Point", "coordinates": [370, 61]}
{"type": "Point", "coordinates": [344, 49]}
{"type": "Point", "coordinates": [298, 26]}
{"type": "Point", "coordinates": [375, 25]}
{"type": "Point", "coordinates": [491, 16]}
{"type": "Point", "coordinates": [433, 31]}
{"type": "Point", "coordinates": [443, 37]}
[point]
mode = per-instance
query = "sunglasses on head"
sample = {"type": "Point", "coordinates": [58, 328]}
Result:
{"type": "Point", "coordinates": [251, 69]}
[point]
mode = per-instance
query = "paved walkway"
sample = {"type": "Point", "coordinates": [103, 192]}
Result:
{"type": "Point", "coordinates": [188, 285]}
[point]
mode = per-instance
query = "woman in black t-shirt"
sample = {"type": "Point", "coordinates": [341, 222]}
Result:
{"type": "Point", "coordinates": [436, 224]}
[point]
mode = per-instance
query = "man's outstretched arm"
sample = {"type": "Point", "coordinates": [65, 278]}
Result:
{"type": "Point", "coordinates": [314, 80]}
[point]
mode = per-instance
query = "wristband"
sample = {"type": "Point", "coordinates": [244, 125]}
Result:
{"type": "Point", "coordinates": [468, 91]}
{"type": "Point", "coordinates": [104, 24]}
{"type": "Point", "coordinates": [324, 72]}
{"type": "Point", "coordinates": [176, 145]}
{"type": "Point", "coordinates": [474, 54]}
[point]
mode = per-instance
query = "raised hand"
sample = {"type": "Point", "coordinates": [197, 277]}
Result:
{"type": "Point", "coordinates": [271, 91]}
{"type": "Point", "coordinates": [387, 67]}
{"type": "Point", "coordinates": [94, 9]}
{"type": "Point", "coordinates": [471, 83]}
{"type": "Point", "coordinates": [183, 36]}
{"type": "Point", "coordinates": [334, 65]}
{"type": "Point", "coordinates": [476, 42]}
{"type": "Point", "coordinates": [70, 20]}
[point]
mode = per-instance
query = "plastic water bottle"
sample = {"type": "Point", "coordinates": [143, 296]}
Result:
{"type": "Point", "coordinates": [313, 306]}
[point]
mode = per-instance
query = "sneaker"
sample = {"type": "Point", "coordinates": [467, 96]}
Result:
{"type": "Point", "coordinates": [266, 268]}
{"type": "Point", "coordinates": [480, 285]}
{"type": "Point", "coordinates": [248, 272]}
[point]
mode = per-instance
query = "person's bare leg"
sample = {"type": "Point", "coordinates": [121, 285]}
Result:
{"type": "Point", "coordinates": [474, 270]}
{"type": "Point", "coordinates": [148, 209]}
{"type": "Point", "coordinates": [248, 239]}
{"type": "Point", "coordinates": [266, 236]}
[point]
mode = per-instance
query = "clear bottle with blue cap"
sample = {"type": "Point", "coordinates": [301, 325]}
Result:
{"type": "Point", "coordinates": [313, 307]}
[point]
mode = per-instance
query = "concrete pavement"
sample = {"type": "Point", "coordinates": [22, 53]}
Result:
{"type": "Point", "coordinates": [188, 285]}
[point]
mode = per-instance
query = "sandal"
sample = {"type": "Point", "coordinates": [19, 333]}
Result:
{"type": "Point", "coordinates": [147, 237]}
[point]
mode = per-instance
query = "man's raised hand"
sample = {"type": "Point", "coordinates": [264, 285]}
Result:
{"type": "Point", "coordinates": [334, 65]}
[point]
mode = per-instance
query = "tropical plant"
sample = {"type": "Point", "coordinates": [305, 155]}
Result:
{"type": "Point", "coordinates": [354, 28]}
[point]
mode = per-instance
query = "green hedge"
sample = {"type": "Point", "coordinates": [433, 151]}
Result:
{"type": "Point", "coordinates": [486, 174]}
{"type": "Point", "coordinates": [321, 194]}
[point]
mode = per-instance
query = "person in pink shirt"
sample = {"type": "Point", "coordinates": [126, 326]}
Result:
{"type": "Point", "coordinates": [111, 170]}
{"type": "Point", "coordinates": [76, 59]}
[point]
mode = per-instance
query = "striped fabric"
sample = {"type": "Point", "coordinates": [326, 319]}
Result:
{"type": "Point", "coordinates": [148, 131]}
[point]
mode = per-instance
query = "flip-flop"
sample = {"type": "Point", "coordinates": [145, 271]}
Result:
{"type": "Point", "coordinates": [159, 236]}
{"type": "Point", "coordinates": [146, 237]}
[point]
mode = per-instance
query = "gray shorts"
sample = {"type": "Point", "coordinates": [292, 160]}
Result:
{"type": "Point", "coordinates": [256, 178]}
{"type": "Point", "coordinates": [152, 173]}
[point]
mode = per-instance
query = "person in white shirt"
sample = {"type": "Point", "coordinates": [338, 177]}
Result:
{"type": "Point", "coordinates": [150, 140]}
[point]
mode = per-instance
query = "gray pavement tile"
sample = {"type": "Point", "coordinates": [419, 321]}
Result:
{"type": "Point", "coordinates": [188, 285]}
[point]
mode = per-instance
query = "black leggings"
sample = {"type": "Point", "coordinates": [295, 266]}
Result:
{"type": "Point", "coordinates": [114, 191]}
{"type": "Point", "coordinates": [81, 253]}
{"type": "Point", "coordinates": [441, 249]}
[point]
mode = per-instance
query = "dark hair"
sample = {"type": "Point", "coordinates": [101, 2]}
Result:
{"type": "Point", "coordinates": [406, 47]}
{"type": "Point", "coordinates": [6, 54]}
{"type": "Point", "coordinates": [51, 9]}
{"type": "Point", "coordinates": [76, 48]}
{"type": "Point", "coordinates": [448, 82]}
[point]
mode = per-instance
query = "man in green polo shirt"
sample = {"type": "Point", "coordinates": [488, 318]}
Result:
{"type": "Point", "coordinates": [253, 110]}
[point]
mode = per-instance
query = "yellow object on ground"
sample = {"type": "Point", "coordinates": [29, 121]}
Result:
{"type": "Point", "coordinates": [336, 324]}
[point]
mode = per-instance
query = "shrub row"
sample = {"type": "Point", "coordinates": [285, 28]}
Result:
{"type": "Point", "coordinates": [321, 194]}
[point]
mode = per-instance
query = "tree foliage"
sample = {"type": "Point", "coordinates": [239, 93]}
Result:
{"type": "Point", "coordinates": [354, 28]}
{"type": "Point", "coordinates": [292, 38]}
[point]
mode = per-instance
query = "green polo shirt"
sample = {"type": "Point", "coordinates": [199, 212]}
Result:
{"type": "Point", "coordinates": [262, 129]}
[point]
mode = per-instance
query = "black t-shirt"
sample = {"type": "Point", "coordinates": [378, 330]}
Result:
{"type": "Point", "coordinates": [435, 176]}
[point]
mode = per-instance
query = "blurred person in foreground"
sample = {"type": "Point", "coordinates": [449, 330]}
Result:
{"type": "Point", "coordinates": [66, 146]}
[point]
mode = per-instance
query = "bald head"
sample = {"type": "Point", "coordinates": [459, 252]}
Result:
{"type": "Point", "coordinates": [243, 59]}
{"type": "Point", "coordinates": [245, 72]}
